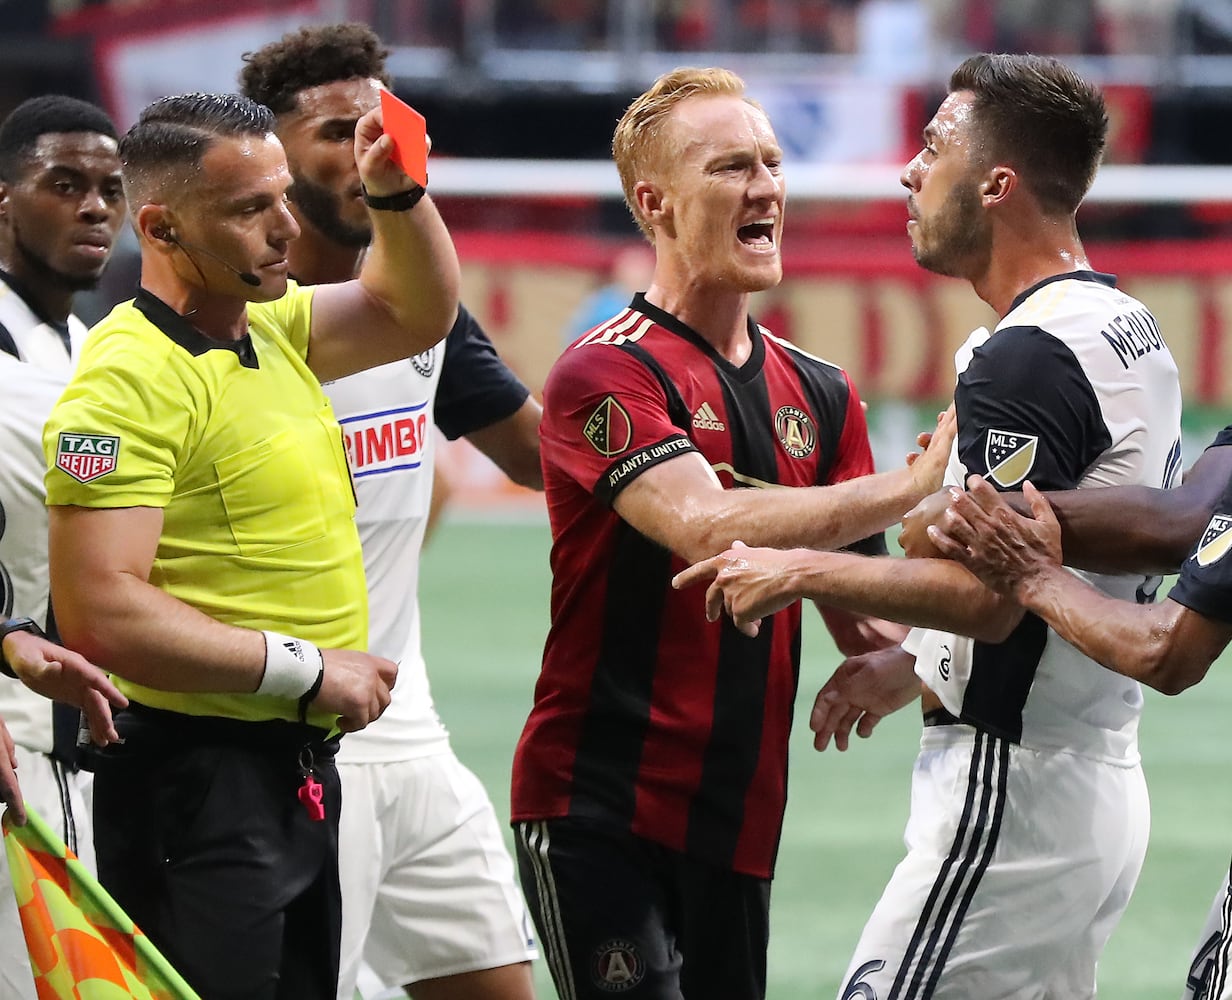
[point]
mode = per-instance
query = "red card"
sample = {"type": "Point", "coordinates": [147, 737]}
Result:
{"type": "Point", "coordinates": [407, 128]}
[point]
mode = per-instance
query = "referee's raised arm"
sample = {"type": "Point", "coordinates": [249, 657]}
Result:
{"type": "Point", "coordinates": [406, 296]}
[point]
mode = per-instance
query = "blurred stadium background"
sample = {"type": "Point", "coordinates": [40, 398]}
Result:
{"type": "Point", "coordinates": [521, 97]}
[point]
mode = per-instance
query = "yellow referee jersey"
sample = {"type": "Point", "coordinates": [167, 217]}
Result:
{"type": "Point", "coordinates": [238, 445]}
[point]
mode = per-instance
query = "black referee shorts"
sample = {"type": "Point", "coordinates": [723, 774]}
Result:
{"type": "Point", "coordinates": [620, 915]}
{"type": "Point", "coordinates": [201, 839]}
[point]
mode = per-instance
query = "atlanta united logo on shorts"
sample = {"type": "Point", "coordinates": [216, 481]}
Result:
{"type": "Point", "coordinates": [609, 429]}
{"type": "Point", "coordinates": [795, 430]}
{"type": "Point", "coordinates": [1216, 540]}
{"type": "Point", "coordinates": [617, 966]}
{"type": "Point", "coordinates": [1009, 456]}
{"type": "Point", "coordinates": [424, 363]}
{"type": "Point", "coordinates": [86, 457]}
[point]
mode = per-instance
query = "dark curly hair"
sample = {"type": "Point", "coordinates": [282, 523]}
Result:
{"type": "Point", "coordinates": [275, 74]}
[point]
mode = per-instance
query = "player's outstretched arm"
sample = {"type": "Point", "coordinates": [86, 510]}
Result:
{"type": "Point", "coordinates": [406, 296]}
{"type": "Point", "coordinates": [748, 584]}
{"type": "Point", "coordinates": [681, 505]}
{"type": "Point", "coordinates": [1166, 646]}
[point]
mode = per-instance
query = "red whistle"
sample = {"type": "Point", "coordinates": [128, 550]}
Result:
{"type": "Point", "coordinates": [311, 793]}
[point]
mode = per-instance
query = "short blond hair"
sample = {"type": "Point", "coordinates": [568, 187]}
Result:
{"type": "Point", "coordinates": [639, 144]}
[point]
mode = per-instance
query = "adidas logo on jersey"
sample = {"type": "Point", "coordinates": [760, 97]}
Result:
{"type": "Point", "coordinates": [705, 419]}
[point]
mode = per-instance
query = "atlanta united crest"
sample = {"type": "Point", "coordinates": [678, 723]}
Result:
{"type": "Point", "coordinates": [795, 430]}
{"type": "Point", "coordinates": [609, 429]}
{"type": "Point", "coordinates": [617, 966]}
{"type": "Point", "coordinates": [1009, 456]}
{"type": "Point", "coordinates": [1216, 540]}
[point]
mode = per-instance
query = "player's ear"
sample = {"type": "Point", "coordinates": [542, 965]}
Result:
{"type": "Point", "coordinates": [4, 201]}
{"type": "Point", "coordinates": [653, 204]}
{"type": "Point", "coordinates": [997, 184]}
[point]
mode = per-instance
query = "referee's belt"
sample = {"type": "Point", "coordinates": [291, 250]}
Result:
{"type": "Point", "coordinates": [154, 725]}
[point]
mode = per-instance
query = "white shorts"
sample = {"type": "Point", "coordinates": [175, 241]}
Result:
{"type": "Point", "coordinates": [62, 799]}
{"type": "Point", "coordinates": [1209, 976]}
{"type": "Point", "coordinates": [428, 886]}
{"type": "Point", "coordinates": [1019, 865]}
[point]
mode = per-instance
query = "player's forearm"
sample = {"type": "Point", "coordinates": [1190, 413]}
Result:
{"type": "Point", "coordinates": [929, 593]}
{"type": "Point", "coordinates": [411, 272]}
{"type": "Point", "coordinates": [144, 635]}
{"type": "Point", "coordinates": [1135, 640]}
{"type": "Point", "coordinates": [816, 517]}
{"type": "Point", "coordinates": [1132, 529]}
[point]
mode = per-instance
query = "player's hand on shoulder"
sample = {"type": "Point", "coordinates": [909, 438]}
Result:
{"type": "Point", "coordinates": [928, 468]}
{"type": "Point", "coordinates": [356, 686]}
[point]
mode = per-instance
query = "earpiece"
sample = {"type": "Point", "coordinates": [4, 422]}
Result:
{"type": "Point", "coordinates": [165, 235]}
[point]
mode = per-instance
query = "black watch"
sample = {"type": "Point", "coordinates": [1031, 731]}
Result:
{"type": "Point", "coordinates": [403, 201]}
{"type": "Point", "coordinates": [16, 625]}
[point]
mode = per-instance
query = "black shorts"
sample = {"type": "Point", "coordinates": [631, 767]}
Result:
{"type": "Point", "coordinates": [619, 915]}
{"type": "Point", "coordinates": [201, 839]}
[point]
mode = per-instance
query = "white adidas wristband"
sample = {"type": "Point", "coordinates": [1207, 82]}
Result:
{"type": "Point", "coordinates": [292, 666]}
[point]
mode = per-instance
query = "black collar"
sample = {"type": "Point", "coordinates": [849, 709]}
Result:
{"type": "Point", "coordinates": [188, 336]}
{"type": "Point", "coordinates": [741, 373]}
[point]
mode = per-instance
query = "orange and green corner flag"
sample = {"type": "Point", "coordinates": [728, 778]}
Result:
{"type": "Point", "coordinates": [82, 945]}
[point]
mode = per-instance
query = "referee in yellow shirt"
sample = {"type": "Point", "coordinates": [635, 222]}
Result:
{"type": "Point", "coordinates": [203, 545]}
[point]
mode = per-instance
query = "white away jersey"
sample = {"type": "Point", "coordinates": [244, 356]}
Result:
{"type": "Point", "coordinates": [38, 341]}
{"type": "Point", "coordinates": [388, 417]}
{"type": "Point", "coordinates": [1075, 388]}
{"type": "Point", "coordinates": [29, 387]}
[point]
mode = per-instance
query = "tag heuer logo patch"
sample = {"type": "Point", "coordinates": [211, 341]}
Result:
{"type": "Point", "coordinates": [609, 429]}
{"type": "Point", "coordinates": [795, 430]}
{"type": "Point", "coordinates": [1216, 540]}
{"type": "Point", "coordinates": [86, 457]}
{"type": "Point", "coordinates": [1009, 456]}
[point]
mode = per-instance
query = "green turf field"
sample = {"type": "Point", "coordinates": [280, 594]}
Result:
{"type": "Point", "coordinates": [484, 597]}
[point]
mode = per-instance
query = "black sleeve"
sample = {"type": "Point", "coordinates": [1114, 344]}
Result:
{"type": "Point", "coordinates": [1205, 583]}
{"type": "Point", "coordinates": [1026, 410]}
{"type": "Point", "coordinates": [1222, 439]}
{"type": "Point", "coordinates": [477, 389]}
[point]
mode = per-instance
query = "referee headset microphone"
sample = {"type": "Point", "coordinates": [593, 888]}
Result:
{"type": "Point", "coordinates": [167, 236]}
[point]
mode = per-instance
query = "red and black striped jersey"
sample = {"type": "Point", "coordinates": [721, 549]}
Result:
{"type": "Point", "coordinates": [647, 717]}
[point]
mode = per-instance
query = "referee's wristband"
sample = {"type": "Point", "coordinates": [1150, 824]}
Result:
{"type": "Point", "coordinates": [293, 667]}
{"type": "Point", "coordinates": [403, 201]}
{"type": "Point", "coordinates": [16, 625]}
